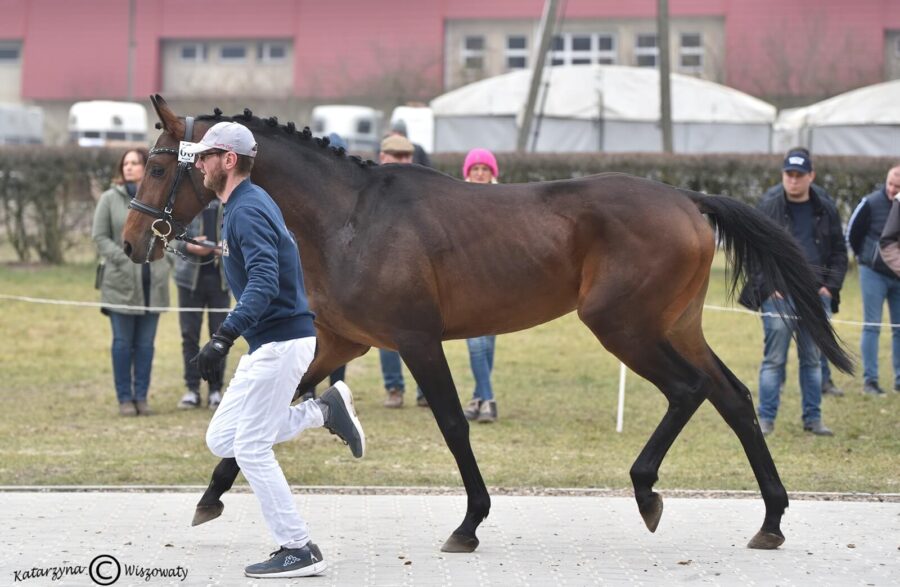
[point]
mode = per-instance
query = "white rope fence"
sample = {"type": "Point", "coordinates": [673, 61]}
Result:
{"type": "Point", "coordinates": [622, 369]}
{"type": "Point", "coordinates": [32, 300]}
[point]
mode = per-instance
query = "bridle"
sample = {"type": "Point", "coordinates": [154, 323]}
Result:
{"type": "Point", "coordinates": [164, 216]}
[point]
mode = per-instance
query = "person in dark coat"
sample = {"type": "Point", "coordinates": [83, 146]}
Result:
{"type": "Point", "coordinates": [816, 225]}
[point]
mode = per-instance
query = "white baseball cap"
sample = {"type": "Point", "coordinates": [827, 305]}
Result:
{"type": "Point", "coordinates": [227, 136]}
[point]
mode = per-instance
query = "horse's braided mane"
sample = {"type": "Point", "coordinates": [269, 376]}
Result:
{"type": "Point", "coordinates": [265, 124]}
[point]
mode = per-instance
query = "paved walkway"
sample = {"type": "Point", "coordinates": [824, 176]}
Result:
{"type": "Point", "coordinates": [393, 540]}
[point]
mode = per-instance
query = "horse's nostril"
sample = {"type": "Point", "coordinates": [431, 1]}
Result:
{"type": "Point", "coordinates": [127, 247]}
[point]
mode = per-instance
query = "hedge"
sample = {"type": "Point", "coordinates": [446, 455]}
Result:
{"type": "Point", "coordinates": [47, 194]}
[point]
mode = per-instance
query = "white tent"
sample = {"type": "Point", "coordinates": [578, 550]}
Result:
{"type": "Point", "coordinates": [602, 108]}
{"type": "Point", "coordinates": [865, 121]}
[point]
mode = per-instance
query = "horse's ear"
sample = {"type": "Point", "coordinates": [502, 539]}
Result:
{"type": "Point", "coordinates": [170, 121]}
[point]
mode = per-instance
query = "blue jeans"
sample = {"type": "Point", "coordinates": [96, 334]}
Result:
{"type": "Point", "coordinates": [132, 354]}
{"type": "Point", "coordinates": [876, 288]}
{"type": "Point", "coordinates": [778, 332]}
{"type": "Point", "coordinates": [392, 371]}
{"type": "Point", "coordinates": [481, 357]}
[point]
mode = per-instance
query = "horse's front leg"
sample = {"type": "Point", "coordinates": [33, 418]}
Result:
{"type": "Point", "coordinates": [425, 358]}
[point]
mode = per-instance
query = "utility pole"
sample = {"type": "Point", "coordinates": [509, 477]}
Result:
{"type": "Point", "coordinates": [665, 87]}
{"type": "Point", "coordinates": [131, 50]}
{"type": "Point", "coordinates": [548, 22]}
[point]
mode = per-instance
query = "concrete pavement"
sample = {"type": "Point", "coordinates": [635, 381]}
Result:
{"type": "Point", "coordinates": [393, 540]}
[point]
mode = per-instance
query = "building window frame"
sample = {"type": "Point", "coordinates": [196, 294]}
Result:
{"type": "Point", "coordinates": [645, 52]}
{"type": "Point", "coordinates": [264, 51]}
{"type": "Point", "coordinates": [607, 56]}
{"type": "Point", "coordinates": [10, 51]}
{"type": "Point", "coordinates": [224, 47]}
{"type": "Point", "coordinates": [563, 52]}
{"type": "Point", "coordinates": [517, 55]}
{"type": "Point", "coordinates": [690, 52]}
{"type": "Point", "coordinates": [201, 52]}
{"type": "Point", "coordinates": [472, 56]}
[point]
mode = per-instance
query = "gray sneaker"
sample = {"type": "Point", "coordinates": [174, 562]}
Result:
{"type": "Point", "coordinates": [767, 426]}
{"type": "Point", "coordinates": [215, 398]}
{"type": "Point", "coordinates": [472, 409]}
{"type": "Point", "coordinates": [190, 400]}
{"type": "Point", "coordinates": [342, 419]}
{"type": "Point", "coordinates": [487, 412]}
{"type": "Point", "coordinates": [829, 388]}
{"type": "Point", "coordinates": [817, 428]}
{"type": "Point", "coordinates": [290, 562]}
{"type": "Point", "coordinates": [872, 388]}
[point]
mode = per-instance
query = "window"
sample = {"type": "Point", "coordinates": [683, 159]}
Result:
{"type": "Point", "coordinates": [271, 52]}
{"type": "Point", "coordinates": [473, 52]}
{"type": "Point", "coordinates": [516, 52]}
{"type": "Point", "coordinates": [364, 126]}
{"type": "Point", "coordinates": [645, 50]}
{"type": "Point", "coordinates": [607, 53]}
{"type": "Point", "coordinates": [897, 47]}
{"type": "Point", "coordinates": [9, 52]}
{"type": "Point", "coordinates": [583, 48]}
{"type": "Point", "coordinates": [233, 52]}
{"type": "Point", "coordinates": [192, 52]}
{"type": "Point", "coordinates": [691, 52]}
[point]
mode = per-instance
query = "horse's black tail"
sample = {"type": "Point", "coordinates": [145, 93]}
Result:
{"type": "Point", "coordinates": [755, 244]}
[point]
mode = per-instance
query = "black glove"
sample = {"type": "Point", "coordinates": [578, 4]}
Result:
{"type": "Point", "coordinates": [211, 358]}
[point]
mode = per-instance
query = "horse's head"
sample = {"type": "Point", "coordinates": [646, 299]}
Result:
{"type": "Point", "coordinates": [172, 191]}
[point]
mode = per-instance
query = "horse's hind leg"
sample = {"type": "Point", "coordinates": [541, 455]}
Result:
{"type": "Point", "coordinates": [210, 505]}
{"type": "Point", "coordinates": [425, 358]}
{"type": "Point", "coordinates": [733, 401]}
{"type": "Point", "coordinates": [685, 388]}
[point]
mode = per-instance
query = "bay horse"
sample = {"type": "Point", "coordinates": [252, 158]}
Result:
{"type": "Point", "coordinates": [402, 257]}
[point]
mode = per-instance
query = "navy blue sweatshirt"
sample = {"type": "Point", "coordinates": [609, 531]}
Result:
{"type": "Point", "coordinates": [262, 266]}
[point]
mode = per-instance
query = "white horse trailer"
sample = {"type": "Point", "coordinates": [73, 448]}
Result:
{"type": "Point", "coordinates": [103, 123]}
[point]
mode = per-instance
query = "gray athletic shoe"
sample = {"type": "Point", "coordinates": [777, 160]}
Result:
{"type": "Point", "coordinates": [290, 562]}
{"type": "Point", "coordinates": [767, 426]}
{"type": "Point", "coordinates": [190, 400]}
{"type": "Point", "coordinates": [817, 428]}
{"type": "Point", "coordinates": [342, 418]}
{"type": "Point", "coordinates": [215, 398]}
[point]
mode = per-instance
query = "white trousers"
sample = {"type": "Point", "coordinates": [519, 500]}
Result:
{"type": "Point", "coordinates": [256, 413]}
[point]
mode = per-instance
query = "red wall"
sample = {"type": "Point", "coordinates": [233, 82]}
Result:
{"type": "Point", "coordinates": [79, 48]}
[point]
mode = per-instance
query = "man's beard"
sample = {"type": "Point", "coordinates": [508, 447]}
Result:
{"type": "Point", "coordinates": [216, 180]}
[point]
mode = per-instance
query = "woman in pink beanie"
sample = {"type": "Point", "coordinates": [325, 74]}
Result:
{"type": "Point", "coordinates": [480, 166]}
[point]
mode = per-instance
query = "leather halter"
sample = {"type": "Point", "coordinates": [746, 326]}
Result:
{"type": "Point", "coordinates": [164, 216]}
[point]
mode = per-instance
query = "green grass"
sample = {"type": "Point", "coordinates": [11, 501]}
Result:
{"type": "Point", "coordinates": [556, 388]}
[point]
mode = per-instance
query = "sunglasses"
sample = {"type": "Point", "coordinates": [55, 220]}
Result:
{"type": "Point", "coordinates": [205, 154]}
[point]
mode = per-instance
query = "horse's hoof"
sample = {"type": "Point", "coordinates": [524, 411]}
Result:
{"type": "Point", "coordinates": [766, 541]}
{"type": "Point", "coordinates": [652, 511]}
{"type": "Point", "coordinates": [205, 513]}
{"type": "Point", "coordinates": [460, 543]}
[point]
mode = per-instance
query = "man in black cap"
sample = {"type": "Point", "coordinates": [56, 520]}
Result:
{"type": "Point", "coordinates": [828, 385]}
{"type": "Point", "coordinates": [815, 224]}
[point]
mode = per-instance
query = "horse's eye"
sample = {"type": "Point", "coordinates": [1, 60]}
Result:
{"type": "Point", "coordinates": [157, 172]}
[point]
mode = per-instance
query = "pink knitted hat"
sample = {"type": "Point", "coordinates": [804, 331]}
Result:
{"type": "Point", "coordinates": [482, 156]}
